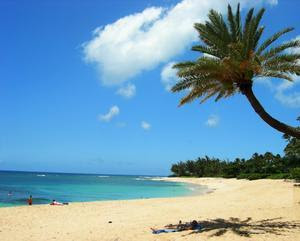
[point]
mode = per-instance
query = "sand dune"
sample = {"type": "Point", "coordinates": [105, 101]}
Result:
{"type": "Point", "coordinates": [235, 210]}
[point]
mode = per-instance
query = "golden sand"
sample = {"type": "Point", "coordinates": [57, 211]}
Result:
{"type": "Point", "coordinates": [235, 210]}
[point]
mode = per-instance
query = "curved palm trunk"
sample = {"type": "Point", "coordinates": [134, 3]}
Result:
{"type": "Point", "coordinates": [266, 117]}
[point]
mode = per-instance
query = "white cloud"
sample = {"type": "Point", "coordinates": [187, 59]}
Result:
{"type": "Point", "coordinates": [168, 76]}
{"type": "Point", "coordinates": [141, 41]}
{"type": "Point", "coordinates": [145, 125]}
{"type": "Point", "coordinates": [273, 2]}
{"type": "Point", "coordinates": [283, 92]}
{"type": "Point", "coordinates": [212, 121]}
{"type": "Point", "coordinates": [114, 111]}
{"type": "Point", "coordinates": [127, 91]}
{"type": "Point", "coordinates": [286, 97]}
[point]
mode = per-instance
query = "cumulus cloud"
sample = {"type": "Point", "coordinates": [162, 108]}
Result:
{"type": "Point", "coordinates": [168, 76]}
{"type": "Point", "coordinates": [212, 121]}
{"type": "Point", "coordinates": [284, 94]}
{"type": "Point", "coordinates": [273, 2]}
{"type": "Point", "coordinates": [127, 91]}
{"type": "Point", "coordinates": [145, 125]}
{"type": "Point", "coordinates": [141, 41]}
{"type": "Point", "coordinates": [113, 111]}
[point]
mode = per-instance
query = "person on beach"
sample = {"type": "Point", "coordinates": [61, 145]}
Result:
{"type": "Point", "coordinates": [29, 200]}
{"type": "Point", "coordinates": [194, 225]}
{"type": "Point", "coordinates": [54, 202]}
{"type": "Point", "coordinates": [179, 226]}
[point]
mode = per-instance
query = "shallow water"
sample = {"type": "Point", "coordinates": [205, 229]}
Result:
{"type": "Point", "coordinates": [15, 187]}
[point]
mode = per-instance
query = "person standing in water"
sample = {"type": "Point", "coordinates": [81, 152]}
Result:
{"type": "Point", "coordinates": [29, 200]}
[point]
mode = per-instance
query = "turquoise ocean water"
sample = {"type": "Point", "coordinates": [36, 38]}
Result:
{"type": "Point", "coordinates": [15, 187]}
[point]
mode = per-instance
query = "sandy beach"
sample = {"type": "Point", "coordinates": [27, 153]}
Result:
{"type": "Point", "coordinates": [234, 210]}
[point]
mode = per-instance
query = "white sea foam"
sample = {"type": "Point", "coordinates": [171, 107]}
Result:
{"type": "Point", "coordinates": [103, 176]}
{"type": "Point", "coordinates": [40, 175]}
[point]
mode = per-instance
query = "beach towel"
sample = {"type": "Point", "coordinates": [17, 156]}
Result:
{"type": "Point", "coordinates": [167, 230]}
{"type": "Point", "coordinates": [172, 230]}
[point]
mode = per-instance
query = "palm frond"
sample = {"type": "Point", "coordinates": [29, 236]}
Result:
{"type": "Point", "coordinates": [198, 91]}
{"type": "Point", "coordinates": [272, 39]}
{"type": "Point", "coordinates": [252, 41]}
{"type": "Point", "coordinates": [190, 97]}
{"type": "Point", "coordinates": [283, 58]}
{"type": "Point", "coordinates": [232, 24]}
{"type": "Point", "coordinates": [247, 24]}
{"type": "Point", "coordinates": [257, 36]}
{"type": "Point", "coordinates": [221, 94]}
{"type": "Point", "coordinates": [277, 50]}
{"type": "Point", "coordinates": [287, 68]}
{"type": "Point", "coordinates": [183, 84]}
{"type": "Point", "coordinates": [275, 74]}
{"type": "Point", "coordinates": [258, 17]}
{"type": "Point", "coordinates": [238, 22]}
{"type": "Point", "coordinates": [206, 50]}
{"type": "Point", "coordinates": [210, 94]}
{"type": "Point", "coordinates": [183, 65]}
{"type": "Point", "coordinates": [246, 32]}
{"type": "Point", "coordinates": [208, 35]}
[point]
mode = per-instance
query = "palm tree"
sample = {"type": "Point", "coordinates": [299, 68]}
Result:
{"type": "Point", "coordinates": [232, 59]}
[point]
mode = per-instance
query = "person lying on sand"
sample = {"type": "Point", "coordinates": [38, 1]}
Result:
{"type": "Point", "coordinates": [170, 228]}
{"type": "Point", "coordinates": [175, 226]}
{"type": "Point", "coordinates": [57, 203]}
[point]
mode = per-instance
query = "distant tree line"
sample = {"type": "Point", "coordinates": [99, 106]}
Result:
{"type": "Point", "coordinates": [258, 166]}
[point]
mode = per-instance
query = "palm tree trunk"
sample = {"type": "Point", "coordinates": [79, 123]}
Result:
{"type": "Point", "coordinates": [266, 117]}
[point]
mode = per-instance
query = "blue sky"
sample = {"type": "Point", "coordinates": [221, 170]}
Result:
{"type": "Point", "coordinates": [84, 87]}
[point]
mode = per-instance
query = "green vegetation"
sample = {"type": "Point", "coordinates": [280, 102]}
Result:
{"type": "Point", "coordinates": [233, 56]}
{"type": "Point", "coordinates": [295, 173]}
{"type": "Point", "coordinates": [258, 166]}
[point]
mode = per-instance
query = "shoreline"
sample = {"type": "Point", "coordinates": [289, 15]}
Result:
{"type": "Point", "coordinates": [199, 190]}
{"type": "Point", "coordinates": [261, 209]}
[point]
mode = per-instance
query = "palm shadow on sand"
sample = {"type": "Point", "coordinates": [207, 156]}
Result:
{"type": "Point", "coordinates": [247, 227]}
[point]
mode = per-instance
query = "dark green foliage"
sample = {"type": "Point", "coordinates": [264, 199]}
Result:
{"type": "Point", "coordinates": [179, 169]}
{"type": "Point", "coordinates": [280, 176]}
{"type": "Point", "coordinates": [295, 173]}
{"type": "Point", "coordinates": [255, 176]}
{"type": "Point", "coordinates": [243, 176]}
{"type": "Point", "coordinates": [292, 149]}
{"type": "Point", "coordinates": [258, 166]}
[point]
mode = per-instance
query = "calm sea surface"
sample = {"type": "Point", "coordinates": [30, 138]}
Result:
{"type": "Point", "coordinates": [15, 187]}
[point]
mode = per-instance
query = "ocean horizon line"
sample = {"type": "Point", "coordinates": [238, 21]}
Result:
{"type": "Point", "coordinates": [83, 173]}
